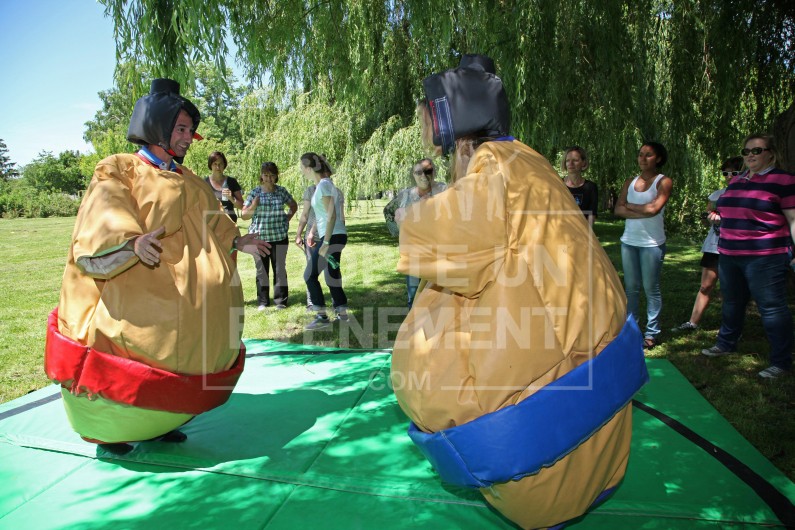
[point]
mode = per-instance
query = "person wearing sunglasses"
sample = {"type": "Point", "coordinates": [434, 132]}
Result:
{"type": "Point", "coordinates": [709, 260]}
{"type": "Point", "coordinates": [757, 217]}
{"type": "Point", "coordinates": [642, 203]}
{"type": "Point", "coordinates": [423, 173]}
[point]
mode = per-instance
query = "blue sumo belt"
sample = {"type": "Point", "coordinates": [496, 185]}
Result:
{"type": "Point", "coordinates": [518, 440]}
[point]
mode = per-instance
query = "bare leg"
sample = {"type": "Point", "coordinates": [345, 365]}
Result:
{"type": "Point", "coordinates": [709, 277]}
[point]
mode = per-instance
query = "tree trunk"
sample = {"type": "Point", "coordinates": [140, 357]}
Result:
{"type": "Point", "coordinates": [784, 134]}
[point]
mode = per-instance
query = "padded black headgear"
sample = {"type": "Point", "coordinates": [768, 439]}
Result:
{"type": "Point", "coordinates": [467, 100]}
{"type": "Point", "coordinates": [155, 114]}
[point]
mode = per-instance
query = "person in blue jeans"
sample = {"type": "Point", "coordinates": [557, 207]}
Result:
{"type": "Point", "coordinates": [642, 203]}
{"type": "Point", "coordinates": [757, 220]}
{"type": "Point", "coordinates": [426, 187]}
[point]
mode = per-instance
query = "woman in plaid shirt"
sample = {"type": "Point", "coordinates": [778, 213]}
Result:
{"type": "Point", "coordinates": [265, 207]}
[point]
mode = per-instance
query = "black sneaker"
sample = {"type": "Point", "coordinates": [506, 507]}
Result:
{"type": "Point", "coordinates": [684, 327]}
{"type": "Point", "coordinates": [320, 322]}
{"type": "Point", "coordinates": [716, 351]}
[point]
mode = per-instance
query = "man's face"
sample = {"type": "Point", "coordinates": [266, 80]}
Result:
{"type": "Point", "coordinates": [182, 135]}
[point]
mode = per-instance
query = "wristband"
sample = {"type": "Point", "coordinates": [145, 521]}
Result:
{"type": "Point", "coordinates": [326, 242]}
{"type": "Point", "coordinates": [234, 244]}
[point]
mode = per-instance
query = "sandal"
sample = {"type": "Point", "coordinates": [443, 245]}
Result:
{"type": "Point", "coordinates": [649, 343]}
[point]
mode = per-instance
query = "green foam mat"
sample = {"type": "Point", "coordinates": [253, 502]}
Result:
{"type": "Point", "coordinates": [313, 437]}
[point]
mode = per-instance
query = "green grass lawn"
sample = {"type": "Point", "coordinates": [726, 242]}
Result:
{"type": "Point", "coordinates": [33, 253]}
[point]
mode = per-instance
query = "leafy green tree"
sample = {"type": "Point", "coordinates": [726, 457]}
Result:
{"type": "Point", "coordinates": [56, 174]}
{"type": "Point", "coordinates": [7, 169]}
{"type": "Point", "coordinates": [218, 96]}
{"type": "Point", "coordinates": [697, 75]}
{"type": "Point", "coordinates": [107, 131]}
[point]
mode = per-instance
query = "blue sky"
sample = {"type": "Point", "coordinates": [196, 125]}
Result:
{"type": "Point", "coordinates": [56, 56]}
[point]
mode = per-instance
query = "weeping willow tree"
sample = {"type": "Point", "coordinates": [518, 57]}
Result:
{"type": "Point", "coordinates": [696, 75]}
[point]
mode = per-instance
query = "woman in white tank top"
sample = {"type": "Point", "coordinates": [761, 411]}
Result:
{"type": "Point", "coordinates": [642, 203]}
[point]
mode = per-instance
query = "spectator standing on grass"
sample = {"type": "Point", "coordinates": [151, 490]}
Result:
{"type": "Point", "coordinates": [709, 259]}
{"type": "Point", "coordinates": [226, 189]}
{"type": "Point", "coordinates": [423, 173]}
{"type": "Point", "coordinates": [307, 224]}
{"type": "Point", "coordinates": [326, 255]}
{"type": "Point", "coordinates": [757, 220]}
{"type": "Point", "coordinates": [585, 192]}
{"type": "Point", "coordinates": [265, 207]}
{"type": "Point", "coordinates": [642, 203]}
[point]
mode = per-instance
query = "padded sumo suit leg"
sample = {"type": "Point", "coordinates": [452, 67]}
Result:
{"type": "Point", "coordinates": [517, 363]}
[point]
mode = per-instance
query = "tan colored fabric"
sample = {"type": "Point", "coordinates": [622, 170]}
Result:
{"type": "Point", "coordinates": [567, 489]}
{"type": "Point", "coordinates": [184, 315]}
{"type": "Point", "coordinates": [519, 293]}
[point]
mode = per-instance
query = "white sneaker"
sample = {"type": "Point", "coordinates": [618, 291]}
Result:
{"type": "Point", "coordinates": [342, 313]}
{"type": "Point", "coordinates": [261, 307]}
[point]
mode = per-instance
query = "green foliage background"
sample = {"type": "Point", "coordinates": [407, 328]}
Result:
{"type": "Point", "coordinates": [341, 77]}
{"type": "Point", "coordinates": [697, 75]}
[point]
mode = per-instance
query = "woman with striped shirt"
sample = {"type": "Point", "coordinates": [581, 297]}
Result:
{"type": "Point", "coordinates": [757, 220]}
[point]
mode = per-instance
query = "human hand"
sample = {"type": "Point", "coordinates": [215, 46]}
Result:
{"type": "Point", "coordinates": [251, 244]}
{"type": "Point", "coordinates": [323, 250]}
{"type": "Point", "coordinates": [310, 239]}
{"type": "Point", "coordinates": [147, 247]}
{"type": "Point", "coordinates": [713, 217]}
{"type": "Point", "coordinates": [400, 215]}
{"type": "Point", "coordinates": [333, 263]}
{"type": "Point", "coordinates": [299, 241]}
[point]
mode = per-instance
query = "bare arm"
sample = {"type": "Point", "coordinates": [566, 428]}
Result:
{"type": "Point", "coordinates": [302, 220]}
{"type": "Point", "coordinates": [331, 218]}
{"type": "Point", "coordinates": [621, 204]}
{"type": "Point", "coordinates": [790, 215]}
{"type": "Point", "coordinates": [248, 211]}
{"type": "Point", "coordinates": [293, 207]}
{"type": "Point", "coordinates": [640, 211]}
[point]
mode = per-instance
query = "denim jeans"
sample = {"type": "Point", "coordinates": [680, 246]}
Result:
{"type": "Point", "coordinates": [642, 267]}
{"type": "Point", "coordinates": [333, 276]}
{"type": "Point", "coordinates": [765, 279]}
{"type": "Point", "coordinates": [412, 282]}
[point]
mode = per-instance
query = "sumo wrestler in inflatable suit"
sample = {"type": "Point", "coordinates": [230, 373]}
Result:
{"type": "Point", "coordinates": [143, 340]}
{"type": "Point", "coordinates": [517, 363]}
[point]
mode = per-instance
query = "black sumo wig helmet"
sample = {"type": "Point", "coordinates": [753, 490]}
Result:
{"type": "Point", "coordinates": [155, 114]}
{"type": "Point", "coordinates": [468, 100]}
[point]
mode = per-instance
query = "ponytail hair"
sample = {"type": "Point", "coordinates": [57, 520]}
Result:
{"type": "Point", "coordinates": [317, 163]}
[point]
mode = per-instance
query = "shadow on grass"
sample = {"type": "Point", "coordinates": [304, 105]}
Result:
{"type": "Point", "coordinates": [762, 411]}
{"type": "Point", "coordinates": [372, 234]}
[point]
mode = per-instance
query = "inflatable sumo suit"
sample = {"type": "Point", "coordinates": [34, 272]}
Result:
{"type": "Point", "coordinates": [517, 364]}
{"type": "Point", "coordinates": [140, 350]}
